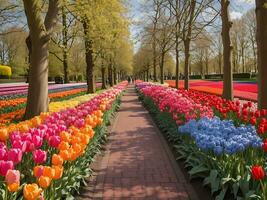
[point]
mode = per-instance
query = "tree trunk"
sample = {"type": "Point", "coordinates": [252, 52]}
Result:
{"type": "Point", "coordinates": [147, 75]}
{"type": "Point", "coordinates": [162, 68]}
{"type": "Point", "coordinates": [103, 74]}
{"type": "Point", "coordinates": [187, 43]}
{"type": "Point", "coordinates": [154, 57]}
{"type": "Point", "coordinates": [207, 61]}
{"type": "Point", "coordinates": [227, 69]}
{"type": "Point", "coordinates": [186, 64]}
{"type": "Point", "coordinates": [177, 62]}
{"type": "Point", "coordinates": [39, 37]}
{"type": "Point", "coordinates": [89, 60]}
{"type": "Point", "coordinates": [65, 45]}
{"type": "Point", "coordinates": [261, 35]}
{"type": "Point", "coordinates": [115, 75]}
{"type": "Point", "coordinates": [110, 74]}
{"type": "Point", "coordinates": [243, 59]}
{"type": "Point", "coordinates": [254, 56]}
{"type": "Point", "coordinates": [37, 100]}
{"type": "Point", "coordinates": [220, 63]}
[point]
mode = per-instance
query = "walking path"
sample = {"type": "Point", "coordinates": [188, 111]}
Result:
{"type": "Point", "coordinates": [137, 163]}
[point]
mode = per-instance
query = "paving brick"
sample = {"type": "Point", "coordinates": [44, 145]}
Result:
{"type": "Point", "coordinates": [135, 163]}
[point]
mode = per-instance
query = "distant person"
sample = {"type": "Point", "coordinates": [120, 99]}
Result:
{"type": "Point", "coordinates": [129, 79]}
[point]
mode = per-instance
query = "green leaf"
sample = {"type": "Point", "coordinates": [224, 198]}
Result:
{"type": "Point", "coordinates": [197, 170]}
{"type": "Point", "coordinates": [222, 194]}
{"type": "Point", "coordinates": [213, 181]}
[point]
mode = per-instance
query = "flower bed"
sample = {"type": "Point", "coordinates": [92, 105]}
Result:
{"type": "Point", "coordinates": [49, 156]}
{"type": "Point", "coordinates": [242, 90]}
{"type": "Point", "coordinates": [220, 141]}
{"type": "Point", "coordinates": [14, 109]}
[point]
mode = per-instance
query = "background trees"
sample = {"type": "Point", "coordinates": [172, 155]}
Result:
{"type": "Point", "coordinates": [74, 39]}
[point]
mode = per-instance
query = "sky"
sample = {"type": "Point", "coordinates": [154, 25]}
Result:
{"type": "Point", "coordinates": [237, 9]}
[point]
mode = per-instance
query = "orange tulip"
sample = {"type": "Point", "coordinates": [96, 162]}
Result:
{"type": "Point", "coordinates": [64, 154]}
{"type": "Point", "coordinates": [58, 172]}
{"type": "Point", "coordinates": [57, 159]}
{"type": "Point", "coordinates": [48, 172]}
{"type": "Point", "coordinates": [3, 134]}
{"type": "Point", "coordinates": [36, 121]}
{"type": "Point", "coordinates": [65, 136]}
{"type": "Point", "coordinates": [31, 191]}
{"type": "Point", "coordinates": [38, 171]}
{"type": "Point", "coordinates": [13, 187]}
{"type": "Point", "coordinates": [99, 113]}
{"type": "Point", "coordinates": [87, 129]}
{"type": "Point", "coordinates": [44, 181]}
{"type": "Point", "coordinates": [77, 147]}
{"type": "Point", "coordinates": [63, 146]}
{"type": "Point", "coordinates": [85, 139]}
{"type": "Point", "coordinates": [24, 128]}
{"type": "Point", "coordinates": [89, 120]}
{"type": "Point", "coordinates": [72, 154]}
{"type": "Point", "coordinates": [102, 107]}
{"type": "Point", "coordinates": [75, 140]}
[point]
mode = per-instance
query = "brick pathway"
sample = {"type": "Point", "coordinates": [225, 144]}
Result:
{"type": "Point", "coordinates": [137, 163]}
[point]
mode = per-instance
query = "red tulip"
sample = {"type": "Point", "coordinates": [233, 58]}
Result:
{"type": "Point", "coordinates": [257, 172]}
{"type": "Point", "coordinates": [264, 146]}
{"type": "Point", "coordinates": [261, 130]}
{"type": "Point", "coordinates": [253, 120]}
{"type": "Point", "coordinates": [257, 114]}
{"type": "Point", "coordinates": [264, 112]}
{"type": "Point", "coordinates": [244, 112]}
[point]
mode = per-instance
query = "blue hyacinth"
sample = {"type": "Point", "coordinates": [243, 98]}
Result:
{"type": "Point", "coordinates": [221, 136]}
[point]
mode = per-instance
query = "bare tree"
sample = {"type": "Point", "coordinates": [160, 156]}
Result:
{"type": "Point", "coordinates": [227, 69]}
{"type": "Point", "coordinates": [261, 16]}
{"type": "Point", "coordinates": [194, 22]}
{"type": "Point", "coordinates": [250, 23]}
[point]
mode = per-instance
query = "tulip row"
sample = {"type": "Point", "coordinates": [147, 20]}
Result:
{"type": "Point", "coordinates": [57, 150]}
{"type": "Point", "coordinates": [223, 149]}
{"type": "Point", "coordinates": [60, 94]}
{"type": "Point", "coordinates": [15, 113]}
{"type": "Point", "coordinates": [12, 92]}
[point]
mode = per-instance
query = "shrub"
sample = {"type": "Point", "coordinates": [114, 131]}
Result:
{"type": "Point", "coordinates": [5, 71]}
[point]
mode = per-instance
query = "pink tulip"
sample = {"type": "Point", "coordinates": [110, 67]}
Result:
{"type": "Point", "coordinates": [29, 146]}
{"type": "Point", "coordinates": [26, 137]}
{"type": "Point", "coordinates": [18, 144]}
{"type": "Point", "coordinates": [12, 176]}
{"type": "Point", "coordinates": [54, 141]}
{"type": "Point", "coordinates": [5, 166]}
{"type": "Point", "coordinates": [3, 153]}
{"type": "Point", "coordinates": [37, 141]}
{"type": "Point", "coordinates": [15, 155]}
{"type": "Point", "coordinates": [14, 136]}
{"type": "Point", "coordinates": [39, 156]}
